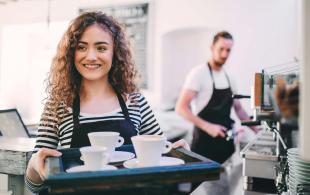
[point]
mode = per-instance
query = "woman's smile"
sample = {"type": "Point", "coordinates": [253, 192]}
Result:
{"type": "Point", "coordinates": [92, 66]}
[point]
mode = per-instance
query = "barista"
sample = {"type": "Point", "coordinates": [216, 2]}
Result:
{"type": "Point", "coordinates": [210, 89]}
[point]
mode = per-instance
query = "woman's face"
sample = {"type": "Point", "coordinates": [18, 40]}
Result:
{"type": "Point", "coordinates": [94, 54]}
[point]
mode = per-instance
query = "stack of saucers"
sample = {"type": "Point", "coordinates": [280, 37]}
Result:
{"type": "Point", "coordinates": [299, 173]}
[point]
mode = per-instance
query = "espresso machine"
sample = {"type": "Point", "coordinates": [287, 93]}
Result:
{"type": "Point", "coordinates": [275, 107]}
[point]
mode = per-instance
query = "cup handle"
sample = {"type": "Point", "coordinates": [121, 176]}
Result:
{"type": "Point", "coordinates": [120, 141]}
{"type": "Point", "coordinates": [168, 147]}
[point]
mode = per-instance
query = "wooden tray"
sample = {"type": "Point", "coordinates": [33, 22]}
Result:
{"type": "Point", "coordinates": [196, 169]}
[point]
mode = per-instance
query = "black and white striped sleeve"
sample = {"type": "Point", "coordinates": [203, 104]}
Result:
{"type": "Point", "coordinates": [33, 187]}
{"type": "Point", "coordinates": [149, 124]}
{"type": "Point", "coordinates": [47, 136]}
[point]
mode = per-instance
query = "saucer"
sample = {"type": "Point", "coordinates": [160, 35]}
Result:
{"type": "Point", "coordinates": [119, 156]}
{"type": "Point", "coordinates": [164, 161]}
{"type": "Point", "coordinates": [83, 168]}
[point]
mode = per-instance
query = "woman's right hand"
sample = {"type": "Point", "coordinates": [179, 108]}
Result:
{"type": "Point", "coordinates": [36, 166]}
{"type": "Point", "coordinates": [214, 130]}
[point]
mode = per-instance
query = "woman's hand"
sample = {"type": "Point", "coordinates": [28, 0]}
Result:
{"type": "Point", "coordinates": [255, 129]}
{"type": "Point", "coordinates": [36, 167]}
{"type": "Point", "coordinates": [181, 143]}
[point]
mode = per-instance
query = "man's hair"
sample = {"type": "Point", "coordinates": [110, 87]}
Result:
{"type": "Point", "coordinates": [222, 34]}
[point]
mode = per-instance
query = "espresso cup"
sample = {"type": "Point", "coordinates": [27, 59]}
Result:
{"type": "Point", "coordinates": [94, 157]}
{"type": "Point", "coordinates": [149, 149]}
{"type": "Point", "coordinates": [108, 139]}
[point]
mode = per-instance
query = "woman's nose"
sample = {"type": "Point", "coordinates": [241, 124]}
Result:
{"type": "Point", "coordinates": [91, 54]}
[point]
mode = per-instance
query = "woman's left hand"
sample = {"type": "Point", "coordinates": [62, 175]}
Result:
{"type": "Point", "coordinates": [181, 143]}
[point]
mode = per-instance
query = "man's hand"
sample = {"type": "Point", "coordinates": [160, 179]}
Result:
{"type": "Point", "coordinates": [214, 130]}
{"type": "Point", "coordinates": [183, 108]}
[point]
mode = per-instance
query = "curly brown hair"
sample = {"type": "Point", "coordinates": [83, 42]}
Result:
{"type": "Point", "coordinates": [64, 81]}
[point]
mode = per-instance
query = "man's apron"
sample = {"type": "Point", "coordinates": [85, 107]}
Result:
{"type": "Point", "coordinates": [217, 111]}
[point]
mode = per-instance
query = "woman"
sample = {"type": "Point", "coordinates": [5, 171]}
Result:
{"type": "Point", "coordinates": [91, 88]}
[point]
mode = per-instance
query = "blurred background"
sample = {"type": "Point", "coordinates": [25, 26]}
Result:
{"type": "Point", "coordinates": [168, 38]}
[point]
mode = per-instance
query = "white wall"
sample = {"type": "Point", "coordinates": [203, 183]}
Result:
{"type": "Point", "coordinates": [265, 33]}
{"type": "Point", "coordinates": [181, 49]}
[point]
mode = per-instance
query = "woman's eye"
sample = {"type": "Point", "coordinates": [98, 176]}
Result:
{"type": "Point", "coordinates": [101, 49]}
{"type": "Point", "coordinates": [81, 48]}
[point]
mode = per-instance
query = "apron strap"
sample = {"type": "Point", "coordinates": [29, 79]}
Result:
{"type": "Point", "coordinates": [123, 106]}
{"type": "Point", "coordinates": [76, 109]}
{"type": "Point", "coordinates": [227, 79]}
{"type": "Point", "coordinates": [211, 73]}
{"type": "Point", "coordinates": [76, 112]}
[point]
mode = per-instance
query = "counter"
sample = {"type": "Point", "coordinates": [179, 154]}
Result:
{"type": "Point", "coordinates": [14, 156]}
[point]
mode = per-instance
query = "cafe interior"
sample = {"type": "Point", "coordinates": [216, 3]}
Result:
{"type": "Point", "coordinates": [269, 62]}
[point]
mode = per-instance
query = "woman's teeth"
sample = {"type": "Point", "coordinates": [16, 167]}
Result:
{"type": "Point", "coordinates": [92, 66]}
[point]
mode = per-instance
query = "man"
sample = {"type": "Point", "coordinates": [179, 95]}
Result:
{"type": "Point", "coordinates": [210, 89]}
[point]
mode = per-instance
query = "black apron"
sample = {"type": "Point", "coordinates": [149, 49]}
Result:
{"type": "Point", "coordinates": [80, 131]}
{"type": "Point", "coordinates": [217, 111]}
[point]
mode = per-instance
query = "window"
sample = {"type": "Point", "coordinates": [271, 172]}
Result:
{"type": "Point", "coordinates": [26, 55]}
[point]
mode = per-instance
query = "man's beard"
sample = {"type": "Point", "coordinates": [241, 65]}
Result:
{"type": "Point", "coordinates": [219, 64]}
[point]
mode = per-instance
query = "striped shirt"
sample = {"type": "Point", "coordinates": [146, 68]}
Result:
{"type": "Point", "coordinates": [53, 133]}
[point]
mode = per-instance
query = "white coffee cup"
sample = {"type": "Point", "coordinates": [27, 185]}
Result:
{"type": "Point", "coordinates": [149, 149]}
{"type": "Point", "coordinates": [108, 139]}
{"type": "Point", "coordinates": [94, 157]}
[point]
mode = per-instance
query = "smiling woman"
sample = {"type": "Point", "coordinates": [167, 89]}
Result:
{"type": "Point", "coordinates": [109, 37]}
{"type": "Point", "coordinates": [91, 88]}
{"type": "Point", "coordinates": [94, 52]}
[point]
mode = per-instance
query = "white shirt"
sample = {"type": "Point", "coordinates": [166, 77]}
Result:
{"type": "Point", "coordinates": [199, 79]}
